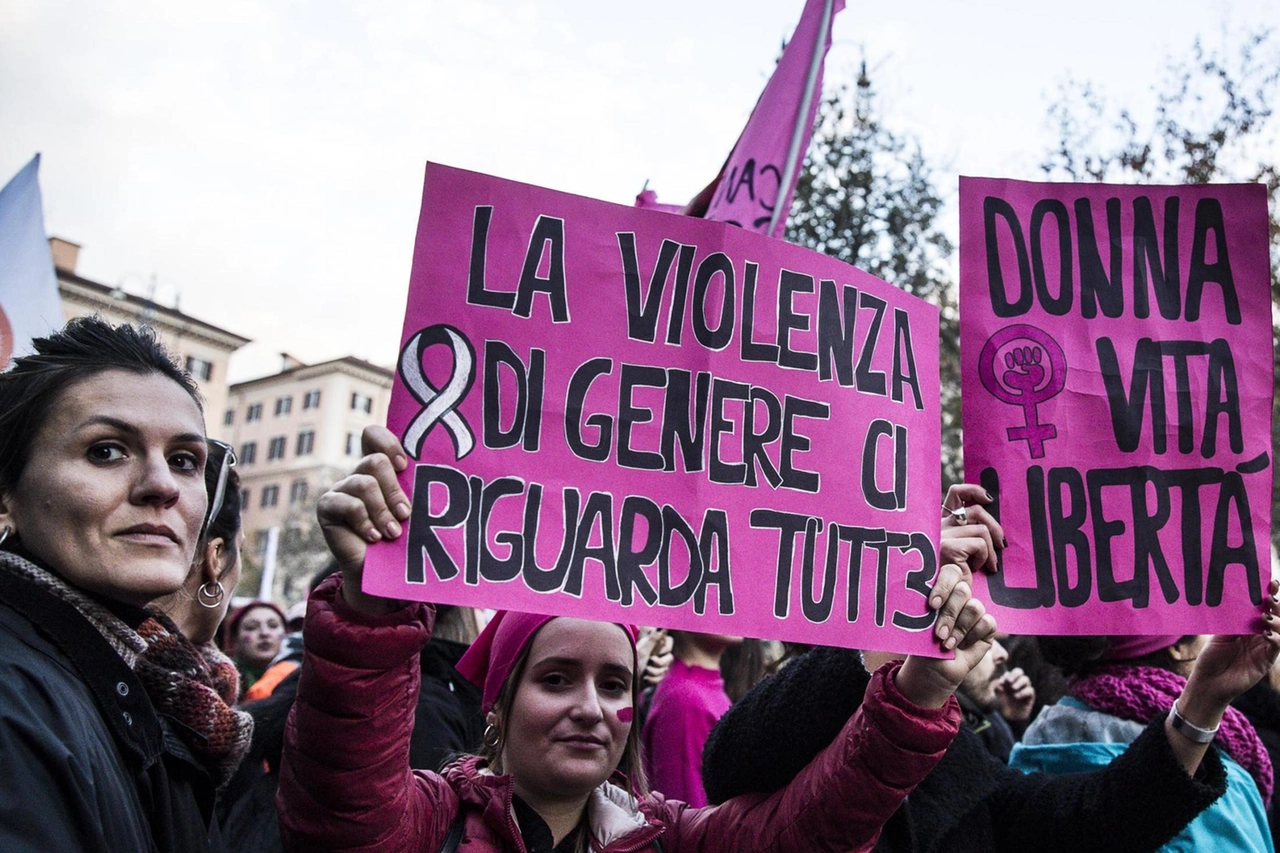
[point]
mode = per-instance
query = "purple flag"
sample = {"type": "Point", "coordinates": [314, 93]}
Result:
{"type": "Point", "coordinates": [755, 185]}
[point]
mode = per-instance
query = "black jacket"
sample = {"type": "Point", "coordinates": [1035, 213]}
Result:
{"type": "Point", "coordinates": [970, 802]}
{"type": "Point", "coordinates": [86, 764]}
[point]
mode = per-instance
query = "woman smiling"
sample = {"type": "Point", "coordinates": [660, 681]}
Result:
{"type": "Point", "coordinates": [559, 695]}
{"type": "Point", "coordinates": [113, 734]}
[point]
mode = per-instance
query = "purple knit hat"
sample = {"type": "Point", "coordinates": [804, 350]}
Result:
{"type": "Point", "coordinates": [494, 653]}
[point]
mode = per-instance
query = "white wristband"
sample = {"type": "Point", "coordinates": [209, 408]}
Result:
{"type": "Point", "coordinates": [1188, 730]}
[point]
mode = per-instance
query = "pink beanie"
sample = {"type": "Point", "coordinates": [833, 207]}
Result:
{"type": "Point", "coordinates": [1128, 648]}
{"type": "Point", "coordinates": [493, 655]}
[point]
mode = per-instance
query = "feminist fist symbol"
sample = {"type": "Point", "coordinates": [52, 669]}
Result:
{"type": "Point", "coordinates": [439, 404]}
{"type": "Point", "coordinates": [1024, 382]}
{"type": "Point", "coordinates": [1025, 372]}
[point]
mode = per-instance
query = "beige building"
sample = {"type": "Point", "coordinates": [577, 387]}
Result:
{"type": "Point", "coordinates": [296, 433]}
{"type": "Point", "coordinates": [202, 348]}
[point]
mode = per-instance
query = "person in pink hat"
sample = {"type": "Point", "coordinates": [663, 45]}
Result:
{"type": "Point", "coordinates": [558, 695]}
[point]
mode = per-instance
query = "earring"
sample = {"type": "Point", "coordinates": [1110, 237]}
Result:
{"type": "Point", "coordinates": [207, 597]}
{"type": "Point", "coordinates": [4, 534]}
{"type": "Point", "coordinates": [492, 737]}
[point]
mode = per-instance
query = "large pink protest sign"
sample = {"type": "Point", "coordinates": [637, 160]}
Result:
{"type": "Point", "coordinates": [620, 414]}
{"type": "Point", "coordinates": [1117, 363]}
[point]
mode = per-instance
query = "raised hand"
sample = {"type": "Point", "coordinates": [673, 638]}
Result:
{"type": "Point", "coordinates": [971, 537]}
{"type": "Point", "coordinates": [1230, 665]}
{"type": "Point", "coordinates": [1017, 696]}
{"type": "Point", "coordinates": [963, 626]}
{"type": "Point", "coordinates": [365, 507]}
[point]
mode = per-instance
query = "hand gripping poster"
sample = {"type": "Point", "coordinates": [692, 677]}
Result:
{"type": "Point", "coordinates": [622, 414]}
{"type": "Point", "coordinates": [1117, 385]}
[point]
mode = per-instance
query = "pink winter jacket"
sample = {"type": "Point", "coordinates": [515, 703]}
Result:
{"type": "Point", "coordinates": [345, 784]}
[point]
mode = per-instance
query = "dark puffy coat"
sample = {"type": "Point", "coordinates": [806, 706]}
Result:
{"type": "Point", "coordinates": [970, 801]}
{"type": "Point", "coordinates": [346, 782]}
{"type": "Point", "coordinates": [86, 764]}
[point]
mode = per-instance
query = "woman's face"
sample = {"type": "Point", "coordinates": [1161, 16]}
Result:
{"type": "Point", "coordinates": [258, 637]}
{"type": "Point", "coordinates": [112, 496]}
{"type": "Point", "coordinates": [571, 713]}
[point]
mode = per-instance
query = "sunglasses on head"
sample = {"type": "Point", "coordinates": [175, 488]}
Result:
{"type": "Point", "coordinates": [220, 454]}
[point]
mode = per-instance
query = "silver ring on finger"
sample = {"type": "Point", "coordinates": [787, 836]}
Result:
{"type": "Point", "coordinates": [960, 515]}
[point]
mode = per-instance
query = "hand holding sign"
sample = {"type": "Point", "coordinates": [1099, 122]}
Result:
{"type": "Point", "coordinates": [365, 507]}
{"type": "Point", "coordinates": [1230, 665]}
{"type": "Point", "coordinates": [977, 538]}
{"type": "Point", "coordinates": [965, 626]}
{"type": "Point", "coordinates": [1226, 668]}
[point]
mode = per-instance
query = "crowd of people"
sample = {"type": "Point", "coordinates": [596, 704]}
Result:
{"type": "Point", "coordinates": [137, 713]}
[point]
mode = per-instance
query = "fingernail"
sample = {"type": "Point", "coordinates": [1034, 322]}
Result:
{"type": "Point", "coordinates": [988, 494]}
{"type": "Point", "coordinates": [951, 642]}
{"type": "Point", "coordinates": [393, 529]}
{"type": "Point", "coordinates": [372, 535]}
{"type": "Point", "coordinates": [943, 632]}
{"type": "Point", "coordinates": [1004, 543]}
{"type": "Point", "coordinates": [402, 511]}
{"type": "Point", "coordinates": [935, 602]}
{"type": "Point", "coordinates": [401, 462]}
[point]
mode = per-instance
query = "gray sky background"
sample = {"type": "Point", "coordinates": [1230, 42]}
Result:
{"type": "Point", "coordinates": [263, 160]}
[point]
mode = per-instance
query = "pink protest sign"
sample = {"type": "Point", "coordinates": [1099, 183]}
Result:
{"type": "Point", "coordinates": [620, 414]}
{"type": "Point", "coordinates": [1117, 364]}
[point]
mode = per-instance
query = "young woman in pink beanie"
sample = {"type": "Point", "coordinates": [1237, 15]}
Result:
{"type": "Point", "coordinates": [559, 695]}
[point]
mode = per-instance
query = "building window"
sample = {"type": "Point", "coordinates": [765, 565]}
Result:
{"type": "Point", "coordinates": [254, 412]}
{"type": "Point", "coordinates": [351, 444]}
{"type": "Point", "coordinates": [306, 441]}
{"type": "Point", "coordinates": [361, 403]}
{"type": "Point", "coordinates": [284, 405]}
{"type": "Point", "coordinates": [199, 368]}
{"type": "Point", "coordinates": [276, 448]}
{"type": "Point", "coordinates": [270, 496]}
{"type": "Point", "coordinates": [311, 400]}
{"type": "Point", "coordinates": [248, 452]}
{"type": "Point", "coordinates": [298, 492]}
{"type": "Point", "coordinates": [229, 418]}
{"type": "Point", "coordinates": [244, 497]}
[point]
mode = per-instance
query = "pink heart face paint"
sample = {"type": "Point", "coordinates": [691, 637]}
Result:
{"type": "Point", "coordinates": [625, 715]}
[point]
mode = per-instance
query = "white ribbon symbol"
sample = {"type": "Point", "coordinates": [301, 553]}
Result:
{"type": "Point", "coordinates": [440, 405]}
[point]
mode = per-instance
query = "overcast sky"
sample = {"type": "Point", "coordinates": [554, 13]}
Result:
{"type": "Point", "coordinates": [263, 160]}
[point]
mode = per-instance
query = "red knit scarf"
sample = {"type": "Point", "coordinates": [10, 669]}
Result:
{"type": "Point", "coordinates": [196, 686]}
{"type": "Point", "coordinates": [1141, 693]}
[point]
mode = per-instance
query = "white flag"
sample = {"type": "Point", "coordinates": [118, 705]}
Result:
{"type": "Point", "coordinates": [29, 303]}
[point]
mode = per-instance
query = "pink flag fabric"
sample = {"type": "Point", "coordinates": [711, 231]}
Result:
{"type": "Point", "coordinates": [759, 178]}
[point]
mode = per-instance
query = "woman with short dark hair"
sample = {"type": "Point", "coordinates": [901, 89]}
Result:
{"type": "Point", "coordinates": [114, 734]}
